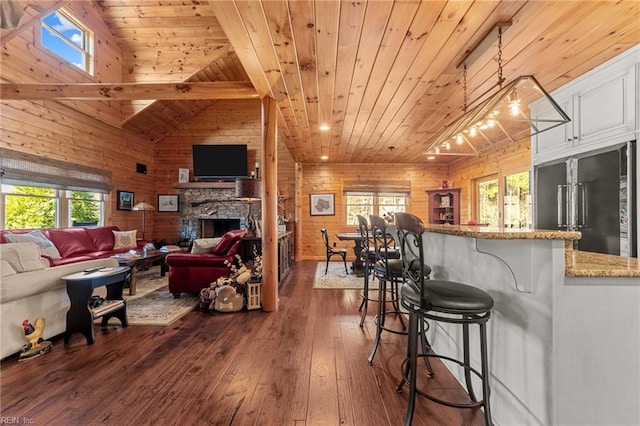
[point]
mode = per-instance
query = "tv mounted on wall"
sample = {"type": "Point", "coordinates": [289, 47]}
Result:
{"type": "Point", "coordinates": [219, 161]}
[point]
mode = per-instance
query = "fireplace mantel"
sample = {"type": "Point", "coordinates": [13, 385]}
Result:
{"type": "Point", "coordinates": [205, 185]}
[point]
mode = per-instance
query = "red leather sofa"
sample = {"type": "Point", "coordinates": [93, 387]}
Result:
{"type": "Point", "coordinates": [191, 272]}
{"type": "Point", "coordinates": [78, 244]}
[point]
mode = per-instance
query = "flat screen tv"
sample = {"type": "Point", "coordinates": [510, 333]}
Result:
{"type": "Point", "coordinates": [219, 161]}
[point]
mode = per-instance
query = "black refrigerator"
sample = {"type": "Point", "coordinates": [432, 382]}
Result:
{"type": "Point", "coordinates": [592, 193]}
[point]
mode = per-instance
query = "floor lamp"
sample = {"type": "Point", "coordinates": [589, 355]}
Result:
{"type": "Point", "coordinates": [142, 206]}
{"type": "Point", "coordinates": [249, 189]}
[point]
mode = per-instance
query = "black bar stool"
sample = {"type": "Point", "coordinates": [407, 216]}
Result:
{"type": "Point", "coordinates": [368, 258]}
{"type": "Point", "coordinates": [387, 268]}
{"type": "Point", "coordinates": [444, 301]}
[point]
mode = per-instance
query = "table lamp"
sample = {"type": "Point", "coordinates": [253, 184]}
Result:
{"type": "Point", "coordinates": [144, 207]}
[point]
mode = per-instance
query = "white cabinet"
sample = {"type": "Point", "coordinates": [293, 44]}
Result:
{"type": "Point", "coordinates": [555, 141]}
{"type": "Point", "coordinates": [602, 106]}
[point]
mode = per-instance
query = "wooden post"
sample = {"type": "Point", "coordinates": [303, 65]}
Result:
{"type": "Point", "coordinates": [298, 211]}
{"type": "Point", "coordinates": [269, 205]}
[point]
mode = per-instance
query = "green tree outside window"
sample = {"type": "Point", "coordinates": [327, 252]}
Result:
{"type": "Point", "coordinates": [34, 209]}
{"type": "Point", "coordinates": [84, 209]}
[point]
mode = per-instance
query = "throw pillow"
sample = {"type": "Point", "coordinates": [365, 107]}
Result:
{"type": "Point", "coordinates": [23, 257]}
{"type": "Point", "coordinates": [124, 239]}
{"type": "Point", "coordinates": [204, 245]}
{"type": "Point", "coordinates": [44, 244]}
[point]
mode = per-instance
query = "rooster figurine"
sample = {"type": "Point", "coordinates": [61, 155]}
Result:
{"type": "Point", "coordinates": [33, 335]}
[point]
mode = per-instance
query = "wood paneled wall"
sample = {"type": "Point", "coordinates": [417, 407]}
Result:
{"type": "Point", "coordinates": [225, 122]}
{"type": "Point", "coordinates": [319, 178]}
{"type": "Point", "coordinates": [323, 178]}
{"type": "Point", "coordinates": [52, 130]}
{"type": "Point", "coordinates": [511, 158]}
{"type": "Point", "coordinates": [24, 60]}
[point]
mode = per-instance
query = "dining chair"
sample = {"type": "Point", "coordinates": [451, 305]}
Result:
{"type": "Point", "coordinates": [342, 252]}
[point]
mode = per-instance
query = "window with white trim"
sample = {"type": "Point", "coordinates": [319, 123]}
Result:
{"type": "Point", "coordinates": [38, 192]}
{"type": "Point", "coordinates": [367, 203]}
{"type": "Point", "coordinates": [62, 34]}
{"type": "Point", "coordinates": [30, 207]}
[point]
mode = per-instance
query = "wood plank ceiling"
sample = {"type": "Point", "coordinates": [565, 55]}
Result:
{"type": "Point", "coordinates": [381, 74]}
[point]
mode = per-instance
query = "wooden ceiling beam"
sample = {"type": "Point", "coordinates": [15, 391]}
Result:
{"type": "Point", "coordinates": [233, 26]}
{"type": "Point", "coordinates": [129, 91]}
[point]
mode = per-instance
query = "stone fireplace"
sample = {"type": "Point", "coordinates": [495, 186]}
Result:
{"type": "Point", "coordinates": [210, 210]}
{"type": "Point", "coordinates": [217, 227]}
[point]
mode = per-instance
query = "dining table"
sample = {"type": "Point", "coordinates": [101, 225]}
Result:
{"type": "Point", "coordinates": [356, 266]}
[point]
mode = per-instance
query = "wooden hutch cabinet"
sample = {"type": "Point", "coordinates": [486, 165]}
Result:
{"type": "Point", "coordinates": [444, 206]}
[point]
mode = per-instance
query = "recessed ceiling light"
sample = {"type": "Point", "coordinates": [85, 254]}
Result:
{"type": "Point", "coordinates": [431, 157]}
{"type": "Point", "coordinates": [324, 157]}
{"type": "Point", "coordinates": [324, 127]}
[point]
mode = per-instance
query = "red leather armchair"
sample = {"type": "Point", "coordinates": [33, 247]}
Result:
{"type": "Point", "coordinates": [191, 272]}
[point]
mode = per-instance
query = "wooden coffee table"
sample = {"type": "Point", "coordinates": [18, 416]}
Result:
{"type": "Point", "coordinates": [143, 262]}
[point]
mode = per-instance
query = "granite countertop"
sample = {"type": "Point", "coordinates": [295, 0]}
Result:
{"type": "Point", "coordinates": [586, 264]}
{"type": "Point", "coordinates": [577, 263]}
{"type": "Point", "coordinates": [494, 233]}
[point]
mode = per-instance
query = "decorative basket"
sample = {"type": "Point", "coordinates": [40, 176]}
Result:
{"type": "Point", "coordinates": [228, 300]}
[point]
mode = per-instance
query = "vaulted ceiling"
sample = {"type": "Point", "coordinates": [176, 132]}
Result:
{"type": "Point", "coordinates": [383, 75]}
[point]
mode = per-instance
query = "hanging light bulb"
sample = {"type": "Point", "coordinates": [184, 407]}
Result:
{"type": "Point", "coordinates": [437, 150]}
{"type": "Point", "coordinates": [459, 139]}
{"type": "Point", "coordinates": [473, 132]}
{"type": "Point", "coordinates": [447, 146]}
{"type": "Point", "coordinates": [514, 103]}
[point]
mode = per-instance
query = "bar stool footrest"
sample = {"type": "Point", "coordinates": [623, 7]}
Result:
{"type": "Point", "coordinates": [403, 332]}
{"type": "Point", "coordinates": [405, 379]}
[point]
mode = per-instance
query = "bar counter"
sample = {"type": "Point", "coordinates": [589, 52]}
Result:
{"type": "Point", "coordinates": [577, 263]}
{"type": "Point", "coordinates": [564, 336]}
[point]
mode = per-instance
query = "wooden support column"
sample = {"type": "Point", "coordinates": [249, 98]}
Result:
{"type": "Point", "coordinates": [269, 205]}
{"type": "Point", "coordinates": [298, 210]}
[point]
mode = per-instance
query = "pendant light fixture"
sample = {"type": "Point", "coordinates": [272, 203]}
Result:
{"type": "Point", "coordinates": [501, 114]}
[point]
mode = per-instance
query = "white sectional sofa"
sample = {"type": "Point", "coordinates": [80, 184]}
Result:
{"type": "Point", "coordinates": [29, 289]}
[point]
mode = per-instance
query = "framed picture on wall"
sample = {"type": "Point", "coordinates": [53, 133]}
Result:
{"type": "Point", "coordinates": [125, 200]}
{"type": "Point", "coordinates": [183, 175]}
{"type": "Point", "coordinates": [322, 204]}
{"type": "Point", "coordinates": [168, 203]}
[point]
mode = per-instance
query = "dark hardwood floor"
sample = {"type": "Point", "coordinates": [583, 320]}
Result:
{"type": "Point", "coordinates": [305, 364]}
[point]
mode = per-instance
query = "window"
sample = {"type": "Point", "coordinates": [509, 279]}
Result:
{"type": "Point", "coordinates": [367, 203]}
{"type": "Point", "coordinates": [85, 208]}
{"type": "Point", "coordinates": [28, 207]}
{"type": "Point", "coordinates": [487, 193]}
{"type": "Point", "coordinates": [506, 205]}
{"type": "Point", "coordinates": [63, 35]}
{"type": "Point", "coordinates": [516, 200]}
{"type": "Point", "coordinates": [38, 192]}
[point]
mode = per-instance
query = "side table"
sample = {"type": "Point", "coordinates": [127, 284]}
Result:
{"type": "Point", "coordinates": [80, 287]}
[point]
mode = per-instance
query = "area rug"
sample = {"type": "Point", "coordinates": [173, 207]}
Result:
{"type": "Point", "coordinates": [336, 278]}
{"type": "Point", "coordinates": [159, 307]}
{"type": "Point", "coordinates": [148, 281]}
{"type": "Point", "coordinates": [153, 304]}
